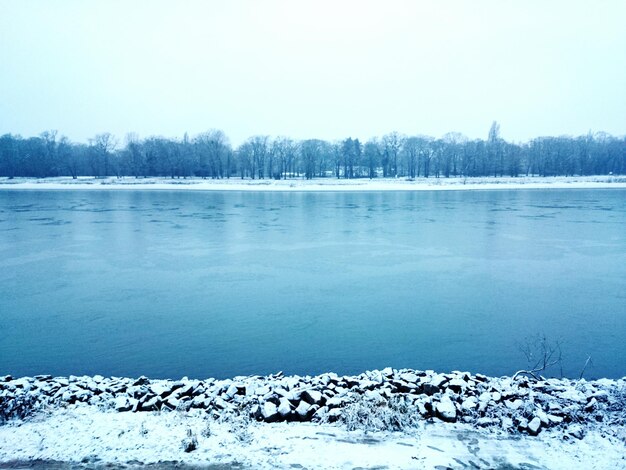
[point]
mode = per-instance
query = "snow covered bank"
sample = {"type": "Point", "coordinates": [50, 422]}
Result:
{"type": "Point", "coordinates": [399, 418]}
{"type": "Point", "coordinates": [322, 184]}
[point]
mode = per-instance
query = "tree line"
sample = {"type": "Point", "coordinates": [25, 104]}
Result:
{"type": "Point", "coordinates": [210, 155]}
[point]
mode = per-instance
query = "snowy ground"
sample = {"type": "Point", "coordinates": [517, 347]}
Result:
{"type": "Point", "coordinates": [378, 419]}
{"type": "Point", "coordinates": [326, 184]}
{"type": "Point", "coordinates": [81, 433]}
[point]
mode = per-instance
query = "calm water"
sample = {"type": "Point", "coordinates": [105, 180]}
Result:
{"type": "Point", "coordinates": [169, 284]}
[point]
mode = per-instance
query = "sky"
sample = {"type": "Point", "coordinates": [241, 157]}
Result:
{"type": "Point", "coordinates": [312, 69]}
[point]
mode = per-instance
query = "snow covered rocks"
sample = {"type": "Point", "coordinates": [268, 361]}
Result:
{"type": "Point", "coordinates": [389, 398]}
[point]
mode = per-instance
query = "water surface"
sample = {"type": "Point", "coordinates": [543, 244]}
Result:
{"type": "Point", "coordinates": [175, 283]}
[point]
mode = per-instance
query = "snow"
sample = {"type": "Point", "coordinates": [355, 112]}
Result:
{"type": "Point", "coordinates": [110, 437]}
{"type": "Point", "coordinates": [320, 184]}
{"type": "Point", "coordinates": [327, 421]}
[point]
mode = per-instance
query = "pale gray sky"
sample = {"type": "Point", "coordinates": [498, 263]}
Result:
{"type": "Point", "coordinates": [325, 69]}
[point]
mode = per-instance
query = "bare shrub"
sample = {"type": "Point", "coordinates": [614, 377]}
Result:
{"type": "Point", "coordinates": [395, 414]}
{"type": "Point", "coordinates": [19, 407]}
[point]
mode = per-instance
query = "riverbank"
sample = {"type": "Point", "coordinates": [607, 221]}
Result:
{"type": "Point", "coordinates": [392, 418]}
{"type": "Point", "coordinates": [320, 184]}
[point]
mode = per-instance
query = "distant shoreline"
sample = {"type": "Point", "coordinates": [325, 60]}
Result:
{"type": "Point", "coordinates": [320, 184]}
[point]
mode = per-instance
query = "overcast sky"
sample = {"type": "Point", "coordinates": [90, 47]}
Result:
{"type": "Point", "coordinates": [304, 69]}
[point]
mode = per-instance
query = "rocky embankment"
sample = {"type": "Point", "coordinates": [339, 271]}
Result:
{"type": "Point", "coordinates": [377, 400]}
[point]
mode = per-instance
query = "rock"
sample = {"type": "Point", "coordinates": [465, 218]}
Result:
{"type": "Point", "coordinates": [303, 410]}
{"type": "Point", "coordinates": [151, 404]}
{"type": "Point", "coordinates": [514, 404]}
{"type": "Point", "coordinates": [507, 423]}
{"type": "Point", "coordinates": [534, 426]}
{"type": "Point", "coordinates": [555, 419]}
{"type": "Point", "coordinates": [469, 404]}
{"type": "Point", "coordinates": [269, 412]}
{"type": "Point", "coordinates": [172, 402]}
{"type": "Point", "coordinates": [421, 407]}
{"type": "Point", "coordinates": [335, 402]}
{"type": "Point", "coordinates": [591, 405]}
{"type": "Point", "coordinates": [284, 393]}
{"type": "Point", "coordinates": [458, 385]}
{"type": "Point", "coordinates": [136, 391]}
{"type": "Point", "coordinates": [334, 414]}
{"type": "Point", "coordinates": [160, 389]}
{"type": "Point", "coordinates": [576, 431]}
{"type": "Point", "coordinates": [220, 403]}
{"type": "Point", "coordinates": [311, 396]}
{"type": "Point", "coordinates": [429, 389]}
{"type": "Point", "coordinates": [446, 411]}
{"type": "Point", "coordinates": [409, 377]}
{"type": "Point", "coordinates": [373, 396]}
{"type": "Point", "coordinates": [437, 380]}
{"type": "Point", "coordinates": [134, 404]}
{"type": "Point", "coordinates": [483, 422]}
{"type": "Point", "coordinates": [262, 391]}
{"type": "Point", "coordinates": [572, 395]}
{"type": "Point", "coordinates": [185, 391]}
{"type": "Point", "coordinates": [231, 391]}
{"type": "Point", "coordinates": [122, 404]}
{"type": "Point", "coordinates": [554, 406]}
{"type": "Point", "coordinates": [141, 381]}
{"type": "Point", "coordinates": [284, 408]}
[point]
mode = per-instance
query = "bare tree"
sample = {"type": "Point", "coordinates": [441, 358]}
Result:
{"type": "Point", "coordinates": [102, 146]}
{"type": "Point", "coordinates": [392, 143]}
{"type": "Point", "coordinates": [541, 354]}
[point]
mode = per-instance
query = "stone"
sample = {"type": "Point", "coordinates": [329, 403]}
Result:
{"type": "Point", "coordinates": [514, 404]}
{"type": "Point", "coordinates": [269, 412]}
{"type": "Point", "coordinates": [374, 396]}
{"type": "Point", "coordinates": [284, 393]}
{"type": "Point", "coordinates": [172, 402]}
{"type": "Point", "coordinates": [231, 391]}
{"type": "Point", "coordinates": [437, 380]}
{"type": "Point", "coordinates": [534, 426]}
{"type": "Point", "coordinates": [284, 408]}
{"type": "Point", "coordinates": [591, 405]}
{"type": "Point", "coordinates": [469, 404]}
{"type": "Point", "coordinates": [483, 422]}
{"type": "Point", "coordinates": [446, 411]}
{"type": "Point", "coordinates": [573, 395]}
{"type": "Point", "coordinates": [262, 391]}
{"type": "Point", "coordinates": [303, 409]}
{"type": "Point", "coordinates": [335, 402]}
{"type": "Point", "coordinates": [185, 390]}
{"type": "Point", "coordinates": [430, 389]}
{"type": "Point", "coordinates": [160, 389]}
{"type": "Point", "coordinates": [220, 403]}
{"type": "Point", "coordinates": [311, 396]}
{"type": "Point", "coordinates": [151, 404]}
{"type": "Point", "coordinates": [421, 407]}
{"type": "Point", "coordinates": [576, 431]}
{"type": "Point", "coordinates": [458, 385]}
{"type": "Point", "coordinates": [409, 377]}
{"type": "Point", "coordinates": [121, 404]}
{"type": "Point", "coordinates": [143, 380]}
{"type": "Point", "coordinates": [334, 414]}
{"type": "Point", "coordinates": [555, 419]}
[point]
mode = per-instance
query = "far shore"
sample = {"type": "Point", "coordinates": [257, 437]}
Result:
{"type": "Point", "coordinates": [318, 184]}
